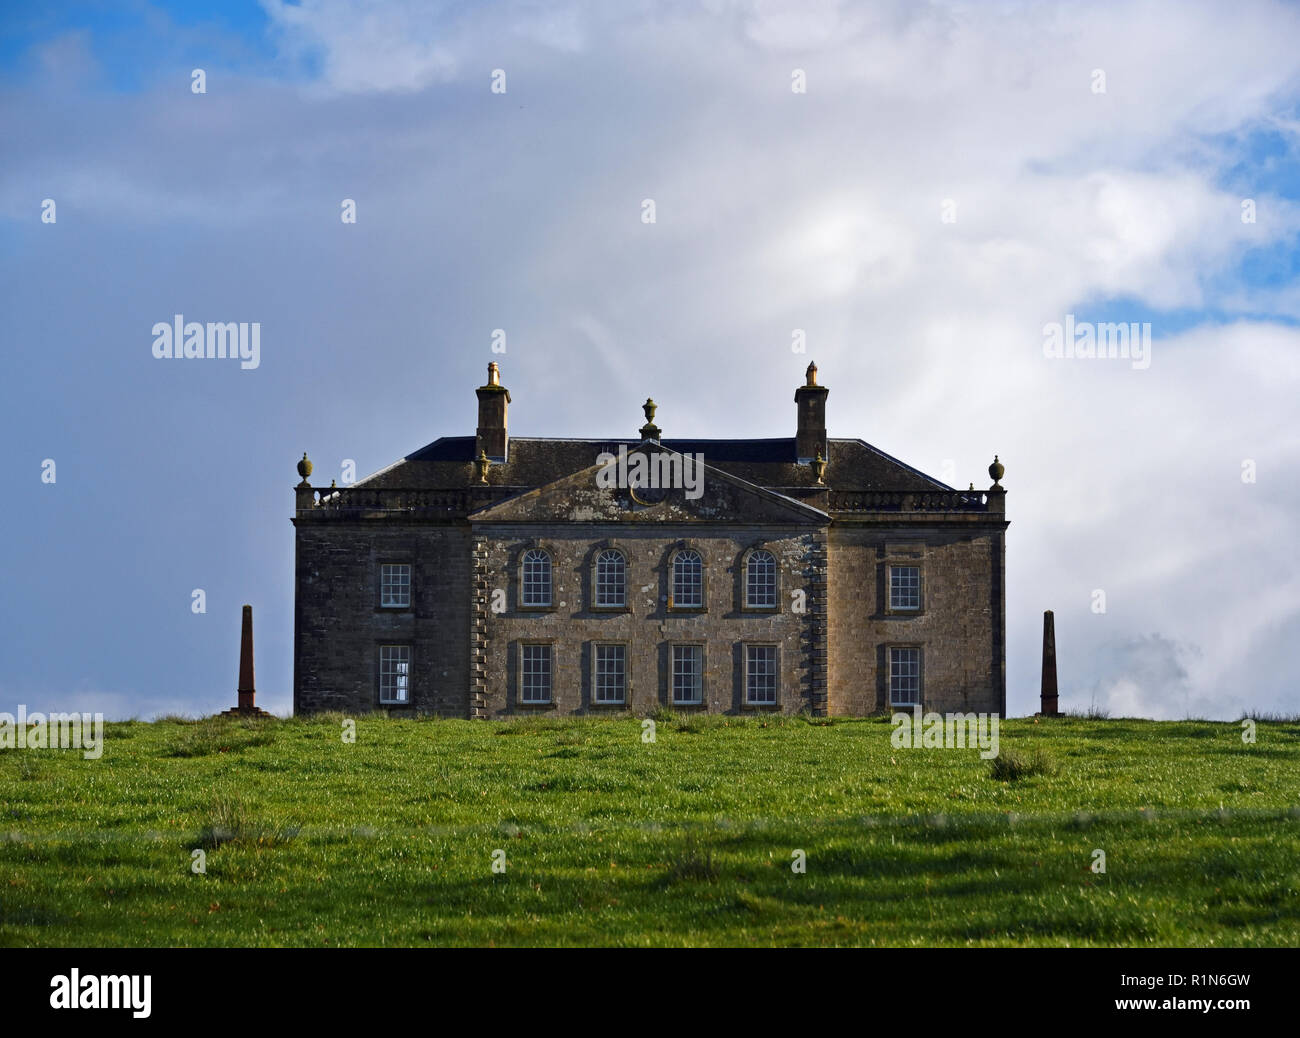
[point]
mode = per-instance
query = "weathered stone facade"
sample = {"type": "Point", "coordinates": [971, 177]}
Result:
{"type": "Point", "coordinates": [411, 596]}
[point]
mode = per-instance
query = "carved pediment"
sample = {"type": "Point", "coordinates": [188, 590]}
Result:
{"type": "Point", "coordinates": [650, 483]}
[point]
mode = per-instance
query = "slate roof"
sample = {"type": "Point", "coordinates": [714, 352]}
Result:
{"type": "Point", "coordinates": [447, 463]}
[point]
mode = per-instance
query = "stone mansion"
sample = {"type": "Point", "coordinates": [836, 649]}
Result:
{"type": "Point", "coordinates": [485, 576]}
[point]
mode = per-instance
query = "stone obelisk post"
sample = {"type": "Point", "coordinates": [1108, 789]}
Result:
{"type": "Point", "coordinates": [246, 690]}
{"type": "Point", "coordinates": [1048, 693]}
{"type": "Point", "coordinates": [246, 706]}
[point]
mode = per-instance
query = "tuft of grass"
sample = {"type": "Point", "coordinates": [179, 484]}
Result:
{"type": "Point", "coordinates": [1271, 716]}
{"type": "Point", "coordinates": [1014, 765]}
{"type": "Point", "coordinates": [220, 735]}
{"type": "Point", "coordinates": [29, 768]}
{"type": "Point", "coordinates": [230, 821]}
{"type": "Point", "coordinates": [535, 725]}
{"type": "Point", "coordinates": [692, 863]}
{"type": "Point", "coordinates": [700, 722]}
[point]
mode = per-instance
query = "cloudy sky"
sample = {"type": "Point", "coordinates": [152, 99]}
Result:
{"type": "Point", "coordinates": [952, 178]}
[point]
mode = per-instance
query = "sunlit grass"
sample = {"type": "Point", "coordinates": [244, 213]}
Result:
{"type": "Point", "coordinates": [688, 840]}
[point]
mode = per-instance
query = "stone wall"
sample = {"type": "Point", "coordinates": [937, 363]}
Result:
{"type": "Point", "coordinates": [340, 624]}
{"type": "Point", "coordinates": [959, 627]}
{"type": "Point", "coordinates": [648, 626]}
{"type": "Point", "coordinates": [832, 657]}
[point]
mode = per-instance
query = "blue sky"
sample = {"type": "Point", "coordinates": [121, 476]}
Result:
{"type": "Point", "coordinates": [136, 46]}
{"type": "Point", "coordinates": [776, 211]}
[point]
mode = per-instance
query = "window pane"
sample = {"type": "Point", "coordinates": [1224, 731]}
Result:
{"type": "Point", "coordinates": [535, 674]}
{"type": "Point", "coordinates": [688, 673]}
{"type": "Point", "coordinates": [904, 587]}
{"type": "Point", "coordinates": [760, 580]}
{"type": "Point", "coordinates": [760, 673]}
{"type": "Point", "coordinates": [904, 677]}
{"type": "Point", "coordinates": [536, 578]}
{"type": "Point", "coordinates": [611, 579]}
{"type": "Point", "coordinates": [394, 673]}
{"type": "Point", "coordinates": [688, 580]}
{"type": "Point", "coordinates": [611, 673]}
{"type": "Point", "coordinates": [394, 585]}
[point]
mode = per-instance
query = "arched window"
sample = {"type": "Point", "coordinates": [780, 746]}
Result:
{"type": "Point", "coordinates": [536, 584]}
{"type": "Point", "coordinates": [760, 580]}
{"type": "Point", "coordinates": [688, 580]}
{"type": "Point", "coordinates": [611, 579]}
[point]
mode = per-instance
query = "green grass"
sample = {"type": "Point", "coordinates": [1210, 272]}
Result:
{"type": "Point", "coordinates": [1014, 765]}
{"type": "Point", "coordinates": [687, 841]}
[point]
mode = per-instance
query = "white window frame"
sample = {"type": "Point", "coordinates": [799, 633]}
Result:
{"type": "Point", "coordinates": [524, 673]}
{"type": "Point", "coordinates": [395, 663]}
{"type": "Point", "coordinates": [601, 585]}
{"type": "Point", "coordinates": [597, 673]}
{"type": "Point", "coordinates": [775, 651]}
{"type": "Point", "coordinates": [674, 671]}
{"type": "Point", "coordinates": [766, 585]}
{"type": "Point", "coordinates": [894, 570]}
{"type": "Point", "coordinates": [527, 586]}
{"type": "Point", "coordinates": [905, 663]}
{"type": "Point", "coordinates": [388, 597]}
{"type": "Point", "coordinates": [697, 584]}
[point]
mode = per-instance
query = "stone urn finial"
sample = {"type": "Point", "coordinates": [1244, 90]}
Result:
{"type": "Point", "coordinates": [819, 467]}
{"type": "Point", "coordinates": [997, 470]}
{"type": "Point", "coordinates": [482, 464]}
{"type": "Point", "coordinates": [650, 431]}
{"type": "Point", "coordinates": [304, 469]}
{"type": "Point", "coordinates": [811, 373]}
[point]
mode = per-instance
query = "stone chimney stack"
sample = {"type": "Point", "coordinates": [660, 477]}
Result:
{"type": "Point", "coordinates": [490, 438]}
{"type": "Point", "coordinates": [810, 399]}
{"type": "Point", "coordinates": [1049, 707]}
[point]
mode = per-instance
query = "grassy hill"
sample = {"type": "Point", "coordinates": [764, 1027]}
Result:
{"type": "Point", "coordinates": [688, 840]}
